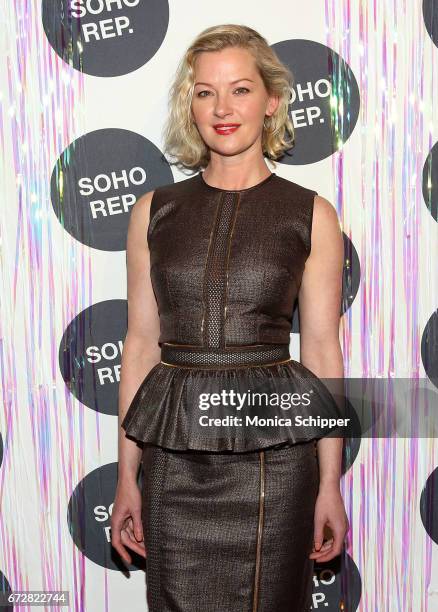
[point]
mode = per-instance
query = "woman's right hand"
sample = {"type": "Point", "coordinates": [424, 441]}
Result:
{"type": "Point", "coordinates": [126, 526]}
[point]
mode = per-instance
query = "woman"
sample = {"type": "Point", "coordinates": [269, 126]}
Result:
{"type": "Point", "coordinates": [227, 520]}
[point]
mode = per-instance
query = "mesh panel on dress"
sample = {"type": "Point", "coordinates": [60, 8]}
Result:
{"type": "Point", "coordinates": [215, 282]}
{"type": "Point", "coordinates": [228, 357]}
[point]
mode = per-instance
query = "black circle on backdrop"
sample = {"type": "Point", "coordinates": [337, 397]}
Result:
{"type": "Point", "coordinates": [337, 584]}
{"type": "Point", "coordinates": [429, 506]}
{"type": "Point", "coordinates": [430, 16]}
{"type": "Point", "coordinates": [5, 587]}
{"type": "Point", "coordinates": [325, 100]}
{"type": "Point", "coordinates": [90, 354]}
{"type": "Point", "coordinates": [104, 38]}
{"type": "Point", "coordinates": [430, 181]}
{"type": "Point", "coordinates": [97, 180]}
{"type": "Point", "coordinates": [89, 518]}
{"type": "Point", "coordinates": [429, 348]}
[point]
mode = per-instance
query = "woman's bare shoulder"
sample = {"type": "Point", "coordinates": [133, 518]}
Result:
{"type": "Point", "coordinates": [326, 228]}
{"type": "Point", "coordinates": [325, 210]}
{"type": "Point", "coordinates": [143, 204]}
{"type": "Point", "coordinates": [325, 217]}
{"type": "Point", "coordinates": [139, 218]}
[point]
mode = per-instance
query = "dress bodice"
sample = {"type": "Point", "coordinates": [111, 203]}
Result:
{"type": "Point", "coordinates": [226, 266]}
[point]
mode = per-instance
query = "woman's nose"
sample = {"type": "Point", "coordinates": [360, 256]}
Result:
{"type": "Point", "coordinates": [222, 106]}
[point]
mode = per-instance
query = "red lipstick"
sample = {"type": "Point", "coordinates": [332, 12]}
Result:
{"type": "Point", "coordinates": [226, 128]}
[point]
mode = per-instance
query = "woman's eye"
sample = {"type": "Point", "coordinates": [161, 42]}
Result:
{"type": "Point", "coordinates": [200, 94]}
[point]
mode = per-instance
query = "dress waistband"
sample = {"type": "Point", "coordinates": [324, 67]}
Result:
{"type": "Point", "coordinates": [247, 355]}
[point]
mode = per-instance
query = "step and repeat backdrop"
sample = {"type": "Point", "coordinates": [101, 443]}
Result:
{"type": "Point", "coordinates": [83, 99]}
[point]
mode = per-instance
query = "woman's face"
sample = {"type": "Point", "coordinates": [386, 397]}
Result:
{"type": "Point", "coordinates": [229, 90]}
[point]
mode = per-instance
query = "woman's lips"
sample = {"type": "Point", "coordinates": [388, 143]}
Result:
{"type": "Point", "coordinates": [224, 131]}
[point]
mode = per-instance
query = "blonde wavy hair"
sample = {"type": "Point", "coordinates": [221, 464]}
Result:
{"type": "Point", "coordinates": [181, 138]}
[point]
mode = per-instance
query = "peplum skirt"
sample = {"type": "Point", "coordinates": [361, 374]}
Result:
{"type": "Point", "coordinates": [228, 521]}
{"type": "Point", "coordinates": [164, 410]}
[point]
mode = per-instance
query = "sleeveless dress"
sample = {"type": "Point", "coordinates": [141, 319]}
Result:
{"type": "Point", "coordinates": [227, 516]}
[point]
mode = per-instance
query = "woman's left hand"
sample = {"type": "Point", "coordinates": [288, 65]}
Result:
{"type": "Point", "coordinates": [329, 510]}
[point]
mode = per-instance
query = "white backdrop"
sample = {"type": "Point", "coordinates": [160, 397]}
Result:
{"type": "Point", "coordinates": [64, 287]}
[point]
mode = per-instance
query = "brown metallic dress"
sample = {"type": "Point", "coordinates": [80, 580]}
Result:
{"type": "Point", "coordinates": [227, 520]}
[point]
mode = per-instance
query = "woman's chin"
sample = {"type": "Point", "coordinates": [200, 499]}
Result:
{"type": "Point", "coordinates": [229, 149]}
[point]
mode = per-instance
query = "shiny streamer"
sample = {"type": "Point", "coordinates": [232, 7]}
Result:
{"type": "Point", "coordinates": [377, 191]}
{"type": "Point", "coordinates": [47, 280]}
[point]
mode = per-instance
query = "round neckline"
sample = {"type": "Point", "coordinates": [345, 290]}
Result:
{"type": "Point", "coordinates": [265, 180]}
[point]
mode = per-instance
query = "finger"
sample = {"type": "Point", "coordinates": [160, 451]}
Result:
{"type": "Point", "coordinates": [318, 535]}
{"type": "Point", "coordinates": [123, 553]}
{"type": "Point", "coordinates": [138, 527]}
{"type": "Point", "coordinates": [326, 544]}
{"type": "Point", "coordinates": [116, 543]}
{"type": "Point", "coordinates": [132, 542]}
{"type": "Point", "coordinates": [325, 557]}
{"type": "Point", "coordinates": [320, 553]}
{"type": "Point", "coordinates": [137, 547]}
{"type": "Point", "coordinates": [131, 534]}
{"type": "Point", "coordinates": [332, 551]}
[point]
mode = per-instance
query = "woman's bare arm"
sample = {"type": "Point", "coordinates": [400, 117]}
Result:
{"type": "Point", "coordinates": [140, 350]}
{"type": "Point", "coordinates": [319, 301]}
{"type": "Point", "coordinates": [320, 305]}
{"type": "Point", "coordinates": [140, 353]}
